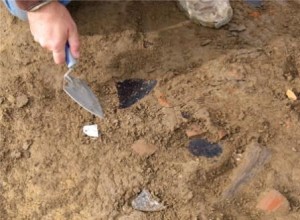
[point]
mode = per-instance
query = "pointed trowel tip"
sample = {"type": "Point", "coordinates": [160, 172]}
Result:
{"type": "Point", "coordinates": [100, 116]}
{"type": "Point", "coordinates": [99, 113]}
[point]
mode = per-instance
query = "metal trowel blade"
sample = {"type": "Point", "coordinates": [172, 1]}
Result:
{"type": "Point", "coordinates": [81, 93]}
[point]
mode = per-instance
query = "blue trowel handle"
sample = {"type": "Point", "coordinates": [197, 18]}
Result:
{"type": "Point", "coordinates": [70, 60]}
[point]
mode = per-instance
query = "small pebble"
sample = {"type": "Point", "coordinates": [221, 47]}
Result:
{"type": "Point", "coordinates": [27, 144]}
{"type": "Point", "coordinates": [21, 101]}
{"type": "Point", "coordinates": [241, 116]}
{"type": "Point", "coordinates": [291, 95]}
{"type": "Point", "coordinates": [11, 99]}
{"type": "Point", "coordinates": [147, 203]}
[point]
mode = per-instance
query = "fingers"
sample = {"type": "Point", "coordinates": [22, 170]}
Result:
{"type": "Point", "coordinates": [57, 46]}
{"type": "Point", "coordinates": [74, 41]}
{"type": "Point", "coordinates": [55, 40]}
{"type": "Point", "coordinates": [59, 56]}
{"type": "Point", "coordinates": [52, 26]}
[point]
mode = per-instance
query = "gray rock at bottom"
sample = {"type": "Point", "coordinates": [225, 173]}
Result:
{"type": "Point", "coordinates": [147, 203]}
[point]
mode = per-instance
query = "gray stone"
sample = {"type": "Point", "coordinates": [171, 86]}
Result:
{"type": "Point", "coordinates": [146, 202]}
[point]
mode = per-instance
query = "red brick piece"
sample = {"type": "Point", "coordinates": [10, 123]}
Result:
{"type": "Point", "coordinates": [273, 201]}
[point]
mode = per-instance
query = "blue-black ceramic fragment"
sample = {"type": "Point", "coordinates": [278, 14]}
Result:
{"type": "Point", "coordinates": [186, 115]}
{"type": "Point", "coordinates": [201, 147]}
{"type": "Point", "coordinates": [255, 3]}
{"type": "Point", "coordinates": [131, 91]}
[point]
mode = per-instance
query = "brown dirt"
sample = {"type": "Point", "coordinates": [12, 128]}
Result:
{"type": "Point", "coordinates": [234, 88]}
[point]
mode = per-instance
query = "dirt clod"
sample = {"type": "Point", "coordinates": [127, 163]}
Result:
{"type": "Point", "coordinates": [27, 144]}
{"type": "Point", "coordinates": [142, 148]}
{"type": "Point", "coordinates": [11, 99]}
{"type": "Point", "coordinates": [290, 70]}
{"type": "Point", "coordinates": [16, 154]}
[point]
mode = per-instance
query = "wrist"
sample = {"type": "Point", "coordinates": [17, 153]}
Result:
{"type": "Point", "coordinates": [32, 5]}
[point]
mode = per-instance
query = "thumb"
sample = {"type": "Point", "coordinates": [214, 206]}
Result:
{"type": "Point", "coordinates": [74, 42]}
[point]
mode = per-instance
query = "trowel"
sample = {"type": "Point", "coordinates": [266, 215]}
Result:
{"type": "Point", "coordinates": [79, 90]}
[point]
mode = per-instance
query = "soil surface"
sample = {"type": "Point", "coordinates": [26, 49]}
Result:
{"type": "Point", "coordinates": [231, 83]}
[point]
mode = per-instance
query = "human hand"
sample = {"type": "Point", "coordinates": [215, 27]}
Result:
{"type": "Point", "coordinates": [52, 27]}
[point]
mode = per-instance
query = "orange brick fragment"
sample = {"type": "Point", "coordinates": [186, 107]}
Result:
{"type": "Point", "coordinates": [222, 133]}
{"type": "Point", "coordinates": [194, 130]}
{"type": "Point", "coordinates": [255, 14]}
{"type": "Point", "coordinates": [142, 148]}
{"type": "Point", "coordinates": [162, 100]}
{"type": "Point", "coordinates": [273, 201]}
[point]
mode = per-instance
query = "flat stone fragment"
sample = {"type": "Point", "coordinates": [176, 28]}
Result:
{"type": "Point", "coordinates": [147, 203]}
